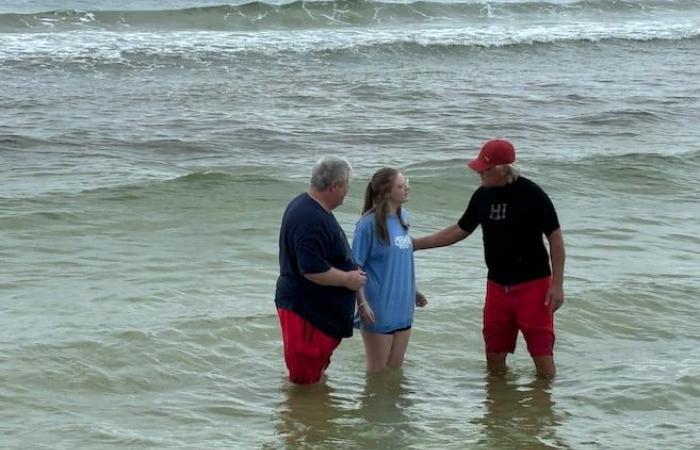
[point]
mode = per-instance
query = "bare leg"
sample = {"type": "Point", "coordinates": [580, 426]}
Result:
{"type": "Point", "coordinates": [496, 363]}
{"type": "Point", "coordinates": [398, 348]}
{"type": "Point", "coordinates": [545, 366]}
{"type": "Point", "coordinates": [377, 349]}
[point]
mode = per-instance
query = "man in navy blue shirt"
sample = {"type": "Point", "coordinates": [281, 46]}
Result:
{"type": "Point", "coordinates": [315, 294]}
{"type": "Point", "coordinates": [524, 283]}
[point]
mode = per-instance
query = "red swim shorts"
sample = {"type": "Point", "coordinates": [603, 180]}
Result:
{"type": "Point", "coordinates": [518, 307]}
{"type": "Point", "coordinates": [307, 350]}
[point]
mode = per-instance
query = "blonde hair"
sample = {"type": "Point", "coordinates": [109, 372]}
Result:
{"type": "Point", "coordinates": [375, 201]}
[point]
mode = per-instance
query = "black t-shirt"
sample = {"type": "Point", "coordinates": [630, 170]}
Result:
{"type": "Point", "coordinates": [312, 241]}
{"type": "Point", "coordinates": [513, 219]}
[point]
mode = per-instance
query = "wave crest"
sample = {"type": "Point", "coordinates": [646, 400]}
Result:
{"type": "Point", "coordinates": [300, 14]}
{"type": "Point", "coordinates": [198, 48]}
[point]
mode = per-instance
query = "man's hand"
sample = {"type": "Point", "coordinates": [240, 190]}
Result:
{"type": "Point", "coordinates": [555, 297]}
{"type": "Point", "coordinates": [355, 279]}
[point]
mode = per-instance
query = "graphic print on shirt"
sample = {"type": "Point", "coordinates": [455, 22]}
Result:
{"type": "Point", "coordinates": [498, 211]}
{"type": "Point", "coordinates": [403, 242]}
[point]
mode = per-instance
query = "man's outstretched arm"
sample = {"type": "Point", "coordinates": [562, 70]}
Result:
{"type": "Point", "coordinates": [447, 236]}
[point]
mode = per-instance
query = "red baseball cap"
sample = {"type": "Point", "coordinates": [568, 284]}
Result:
{"type": "Point", "coordinates": [495, 152]}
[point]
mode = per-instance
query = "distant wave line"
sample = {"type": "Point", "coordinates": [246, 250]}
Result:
{"type": "Point", "coordinates": [303, 14]}
{"type": "Point", "coordinates": [202, 48]}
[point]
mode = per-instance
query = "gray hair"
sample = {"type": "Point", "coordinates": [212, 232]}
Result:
{"type": "Point", "coordinates": [328, 170]}
{"type": "Point", "coordinates": [513, 173]}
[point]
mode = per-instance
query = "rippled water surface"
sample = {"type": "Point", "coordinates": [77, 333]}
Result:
{"type": "Point", "coordinates": [149, 148]}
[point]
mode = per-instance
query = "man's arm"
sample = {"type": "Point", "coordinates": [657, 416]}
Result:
{"type": "Point", "coordinates": [352, 279]}
{"type": "Point", "coordinates": [555, 296]}
{"type": "Point", "coordinates": [446, 236]}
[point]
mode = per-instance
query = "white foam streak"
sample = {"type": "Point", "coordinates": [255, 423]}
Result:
{"type": "Point", "coordinates": [117, 46]}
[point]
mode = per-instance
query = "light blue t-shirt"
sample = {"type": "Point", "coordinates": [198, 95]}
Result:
{"type": "Point", "coordinates": [391, 282]}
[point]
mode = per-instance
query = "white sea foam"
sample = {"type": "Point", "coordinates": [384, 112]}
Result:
{"type": "Point", "coordinates": [117, 46]}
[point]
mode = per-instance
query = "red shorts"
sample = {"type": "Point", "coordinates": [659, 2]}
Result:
{"type": "Point", "coordinates": [518, 307]}
{"type": "Point", "coordinates": [307, 350]}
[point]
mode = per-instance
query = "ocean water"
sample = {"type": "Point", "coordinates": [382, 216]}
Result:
{"type": "Point", "coordinates": [148, 149]}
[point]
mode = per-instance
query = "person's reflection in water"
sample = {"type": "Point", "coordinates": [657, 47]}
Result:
{"type": "Point", "coordinates": [383, 408]}
{"type": "Point", "coordinates": [320, 417]}
{"type": "Point", "coordinates": [310, 417]}
{"type": "Point", "coordinates": [519, 416]}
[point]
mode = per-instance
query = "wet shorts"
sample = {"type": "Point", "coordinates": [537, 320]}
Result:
{"type": "Point", "coordinates": [307, 350]}
{"type": "Point", "coordinates": [518, 307]}
{"type": "Point", "coordinates": [396, 330]}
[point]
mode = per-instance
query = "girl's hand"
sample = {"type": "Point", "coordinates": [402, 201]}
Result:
{"type": "Point", "coordinates": [421, 301]}
{"type": "Point", "coordinates": [366, 312]}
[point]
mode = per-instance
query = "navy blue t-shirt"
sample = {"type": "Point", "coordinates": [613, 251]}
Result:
{"type": "Point", "coordinates": [312, 241]}
{"type": "Point", "coordinates": [514, 219]}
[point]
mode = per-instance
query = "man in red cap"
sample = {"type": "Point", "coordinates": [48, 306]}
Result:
{"type": "Point", "coordinates": [522, 290]}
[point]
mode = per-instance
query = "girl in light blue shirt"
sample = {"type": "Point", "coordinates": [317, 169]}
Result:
{"type": "Point", "coordinates": [382, 247]}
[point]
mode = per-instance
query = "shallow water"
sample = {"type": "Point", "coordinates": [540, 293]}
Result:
{"type": "Point", "coordinates": [147, 158]}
